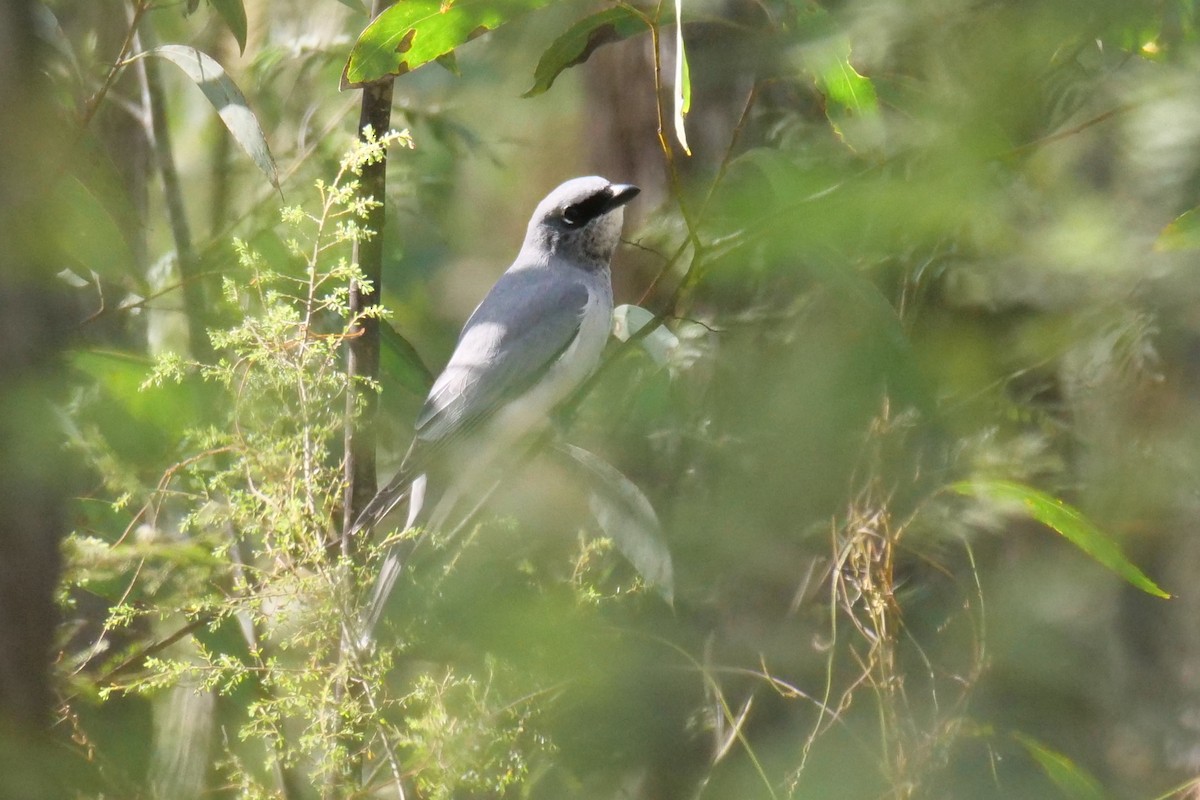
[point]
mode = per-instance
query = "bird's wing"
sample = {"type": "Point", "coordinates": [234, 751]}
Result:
{"type": "Point", "coordinates": [519, 330]}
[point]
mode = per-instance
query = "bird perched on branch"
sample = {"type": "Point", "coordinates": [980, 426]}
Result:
{"type": "Point", "coordinates": [534, 339]}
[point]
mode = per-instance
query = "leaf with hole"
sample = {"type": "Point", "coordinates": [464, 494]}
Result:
{"type": "Point", "coordinates": [1066, 520]}
{"type": "Point", "coordinates": [582, 39]}
{"type": "Point", "coordinates": [415, 32]}
{"type": "Point", "coordinates": [226, 98]}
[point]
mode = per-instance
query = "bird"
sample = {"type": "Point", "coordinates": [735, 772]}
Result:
{"type": "Point", "coordinates": [534, 339]}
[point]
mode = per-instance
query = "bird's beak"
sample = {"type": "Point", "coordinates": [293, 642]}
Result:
{"type": "Point", "coordinates": [620, 194]}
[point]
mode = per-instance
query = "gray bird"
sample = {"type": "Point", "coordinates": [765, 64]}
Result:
{"type": "Point", "coordinates": [534, 339]}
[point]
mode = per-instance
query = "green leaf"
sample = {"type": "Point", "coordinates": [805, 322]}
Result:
{"type": "Point", "coordinates": [582, 39]}
{"type": "Point", "coordinates": [141, 424]}
{"type": "Point", "coordinates": [1182, 234]}
{"type": "Point", "coordinates": [415, 32]}
{"type": "Point", "coordinates": [399, 361]}
{"type": "Point", "coordinates": [1066, 520]}
{"type": "Point", "coordinates": [626, 517]}
{"type": "Point", "coordinates": [234, 14]}
{"type": "Point", "coordinates": [851, 102]}
{"type": "Point", "coordinates": [683, 80]}
{"type": "Point", "coordinates": [88, 227]}
{"type": "Point", "coordinates": [225, 96]}
{"type": "Point", "coordinates": [1072, 780]}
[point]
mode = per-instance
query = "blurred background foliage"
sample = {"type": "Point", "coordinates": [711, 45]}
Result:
{"type": "Point", "coordinates": [930, 270]}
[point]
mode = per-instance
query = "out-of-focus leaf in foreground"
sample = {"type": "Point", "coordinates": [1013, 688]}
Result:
{"type": "Point", "coordinates": [1072, 780]}
{"type": "Point", "coordinates": [1182, 234]}
{"type": "Point", "coordinates": [1066, 520]}
{"type": "Point", "coordinates": [626, 517]}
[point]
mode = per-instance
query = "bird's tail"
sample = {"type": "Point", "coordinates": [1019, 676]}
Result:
{"type": "Point", "coordinates": [383, 503]}
{"type": "Point", "coordinates": [401, 488]}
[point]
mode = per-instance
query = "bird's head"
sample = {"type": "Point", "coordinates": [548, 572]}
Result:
{"type": "Point", "coordinates": [581, 221]}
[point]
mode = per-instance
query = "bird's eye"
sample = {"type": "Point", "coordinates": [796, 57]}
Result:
{"type": "Point", "coordinates": [573, 216]}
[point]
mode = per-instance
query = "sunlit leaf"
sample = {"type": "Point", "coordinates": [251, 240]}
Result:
{"type": "Point", "coordinates": [659, 343]}
{"type": "Point", "coordinates": [1182, 234]}
{"type": "Point", "coordinates": [399, 361]}
{"type": "Point", "coordinates": [225, 96]}
{"type": "Point", "coordinates": [851, 102]}
{"type": "Point", "coordinates": [683, 81]}
{"type": "Point", "coordinates": [415, 32]}
{"type": "Point", "coordinates": [577, 44]}
{"type": "Point", "coordinates": [233, 12]}
{"type": "Point", "coordinates": [626, 517]}
{"type": "Point", "coordinates": [1072, 780]}
{"type": "Point", "coordinates": [1066, 520]}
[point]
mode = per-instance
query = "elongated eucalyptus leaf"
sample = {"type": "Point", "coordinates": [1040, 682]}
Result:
{"type": "Point", "coordinates": [683, 81]}
{"type": "Point", "coordinates": [226, 98]}
{"type": "Point", "coordinates": [1066, 520]}
{"type": "Point", "coordinates": [626, 517]}
{"type": "Point", "coordinates": [582, 39]}
{"type": "Point", "coordinates": [233, 12]}
{"type": "Point", "coordinates": [1072, 780]}
{"type": "Point", "coordinates": [415, 32]}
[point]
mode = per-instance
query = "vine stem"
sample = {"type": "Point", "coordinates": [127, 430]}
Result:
{"type": "Point", "coordinates": [96, 100]}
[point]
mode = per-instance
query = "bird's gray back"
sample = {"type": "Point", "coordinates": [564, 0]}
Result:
{"type": "Point", "coordinates": [527, 320]}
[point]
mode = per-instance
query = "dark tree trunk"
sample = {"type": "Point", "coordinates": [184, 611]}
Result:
{"type": "Point", "coordinates": [32, 493]}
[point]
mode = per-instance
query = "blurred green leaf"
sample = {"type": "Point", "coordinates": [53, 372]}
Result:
{"type": "Point", "coordinates": [400, 361]}
{"type": "Point", "coordinates": [1182, 234]}
{"type": "Point", "coordinates": [87, 229]}
{"type": "Point", "coordinates": [1066, 520]}
{"type": "Point", "coordinates": [415, 32]}
{"type": "Point", "coordinates": [626, 517]}
{"type": "Point", "coordinates": [121, 376]}
{"type": "Point", "coordinates": [143, 424]}
{"type": "Point", "coordinates": [577, 44]}
{"type": "Point", "coordinates": [1071, 779]}
{"type": "Point", "coordinates": [226, 98]}
{"type": "Point", "coordinates": [234, 14]}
